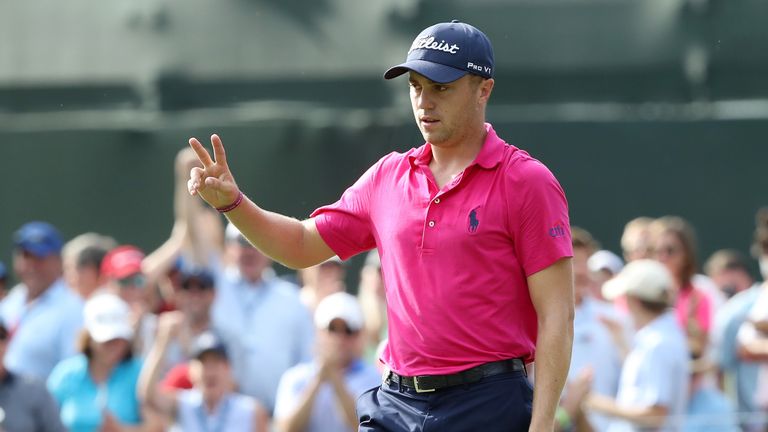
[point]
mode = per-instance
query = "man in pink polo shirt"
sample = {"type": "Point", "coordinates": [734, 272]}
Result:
{"type": "Point", "coordinates": [475, 251]}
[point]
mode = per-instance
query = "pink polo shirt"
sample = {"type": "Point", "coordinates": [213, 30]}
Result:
{"type": "Point", "coordinates": [454, 260]}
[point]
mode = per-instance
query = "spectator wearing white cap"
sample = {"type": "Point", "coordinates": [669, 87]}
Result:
{"type": "Point", "coordinates": [275, 327]}
{"type": "Point", "coordinates": [96, 390]}
{"type": "Point", "coordinates": [653, 387]}
{"type": "Point", "coordinates": [320, 396]}
{"type": "Point", "coordinates": [43, 315]}
{"type": "Point", "coordinates": [604, 265]}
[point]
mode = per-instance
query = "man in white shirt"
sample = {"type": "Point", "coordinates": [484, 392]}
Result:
{"type": "Point", "coordinates": [320, 395]}
{"type": "Point", "coordinates": [42, 314]}
{"type": "Point", "coordinates": [275, 328]}
{"type": "Point", "coordinates": [653, 387]}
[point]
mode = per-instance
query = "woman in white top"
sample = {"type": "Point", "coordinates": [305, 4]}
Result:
{"type": "Point", "coordinates": [211, 405]}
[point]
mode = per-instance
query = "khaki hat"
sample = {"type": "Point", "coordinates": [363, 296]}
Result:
{"type": "Point", "coordinates": [644, 279]}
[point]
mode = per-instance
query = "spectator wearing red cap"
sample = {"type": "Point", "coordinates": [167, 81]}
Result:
{"type": "Point", "coordinates": [42, 313]}
{"type": "Point", "coordinates": [122, 271]}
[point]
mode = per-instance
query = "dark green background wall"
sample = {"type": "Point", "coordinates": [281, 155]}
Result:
{"type": "Point", "coordinates": [119, 181]}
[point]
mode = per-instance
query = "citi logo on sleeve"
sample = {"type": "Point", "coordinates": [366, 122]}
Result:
{"type": "Point", "coordinates": [557, 231]}
{"type": "Point", "coordinates": [429, 43]}
{"type": "Point", "coordinates": [474, 222]}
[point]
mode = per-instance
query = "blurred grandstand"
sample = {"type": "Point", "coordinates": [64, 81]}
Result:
{"type": "Point", "coordinates": [639, 106]}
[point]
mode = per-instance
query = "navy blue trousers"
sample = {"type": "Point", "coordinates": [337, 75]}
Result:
{"type": "Point", "coordinates": [497, 403]}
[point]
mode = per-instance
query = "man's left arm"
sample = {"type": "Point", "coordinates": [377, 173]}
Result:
{"type": "Point", "coordinates": [551, 292]}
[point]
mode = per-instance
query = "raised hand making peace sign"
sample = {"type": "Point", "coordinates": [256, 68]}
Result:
{"type": "Point", "coordinates": [214, 181]}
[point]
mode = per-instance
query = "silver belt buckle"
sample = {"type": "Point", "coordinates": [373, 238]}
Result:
{"type": "Point", "coordinates": [418, 389]}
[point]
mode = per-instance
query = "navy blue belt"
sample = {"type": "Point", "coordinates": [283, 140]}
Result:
{"type": "Point", "coordinates": [430, 383]}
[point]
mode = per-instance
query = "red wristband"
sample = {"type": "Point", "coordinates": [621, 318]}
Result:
{"type": "Point", "coordinates": [231, 206]}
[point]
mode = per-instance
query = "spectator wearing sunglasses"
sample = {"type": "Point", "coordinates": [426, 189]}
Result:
{"type": "Point", "coordinates": [123, 275]}
{"type": "Point", "coordinates": [25, 404]}
{"type": "Point", "coordinates": [193, 299]}
{"type": "Point", "coordinates": [320, 395]}
{"type": "Point", "coordinates": [42, 313]}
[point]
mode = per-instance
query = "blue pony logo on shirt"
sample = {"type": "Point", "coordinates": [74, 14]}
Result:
{"type": "Point", "coordinates": [474, 222]}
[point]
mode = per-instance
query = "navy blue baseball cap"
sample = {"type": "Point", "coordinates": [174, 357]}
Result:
{"type": "Point", "coordinates": [198, 275]}
{"type": "Point", "coordinates": [208, 342]}
{"type": "Point", "coordinates": [446, 52]}
{"type": "Point", "coordinates": [40, 239]}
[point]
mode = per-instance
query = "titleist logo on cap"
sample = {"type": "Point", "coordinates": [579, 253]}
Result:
{"type": "Point", "coordinates": [429, 43]}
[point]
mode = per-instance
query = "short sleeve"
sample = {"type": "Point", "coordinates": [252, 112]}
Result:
{"type": "Point", "coordinates": [345, 225]}
{"type": "Point", "coordinates": [59, 382]}
{"type": "Point", "coordinates": [540, 222]}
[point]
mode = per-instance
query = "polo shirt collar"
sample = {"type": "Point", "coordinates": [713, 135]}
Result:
{"type": "Point", "coordinates": [490, 155]}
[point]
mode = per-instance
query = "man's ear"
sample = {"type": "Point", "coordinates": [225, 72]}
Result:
{"type": "Point", "coordinates": [486, 88]}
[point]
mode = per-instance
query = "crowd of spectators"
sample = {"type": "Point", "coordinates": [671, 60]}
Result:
{"type": "Point", "coordinates": [203, 335]}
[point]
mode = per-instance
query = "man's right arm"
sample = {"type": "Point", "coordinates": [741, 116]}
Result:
{"type": "Point", "coordinates": [293, 243]}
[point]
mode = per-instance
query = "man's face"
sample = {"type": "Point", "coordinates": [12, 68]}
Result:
{"type": "Point", "coordinates": [341, 339]}
{"type": "Point", "coordinates": [669, 250]}
{"type": "Point", "coordinates": [194, 298]}
{"type": "Point", "coordinates": [731, 281]}
{"type": "Point", "coordinates": [132, 289]}
{"type": "Point", "coordinates": [248, 259]}
{"type": "Point", "coordinates": [84, 278]}
{"type": "Point", "coordinates": [447, 113]}
{"type": "Point", "coordinates": [37, 273]}
{"type": "Point", "coordinates": [211, 373]}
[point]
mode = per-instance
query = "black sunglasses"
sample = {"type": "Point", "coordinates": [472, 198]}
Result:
{"type": "Point", "coordinates": [345, 330]}
{"type": "Point", "coordinates": [188, 286]}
